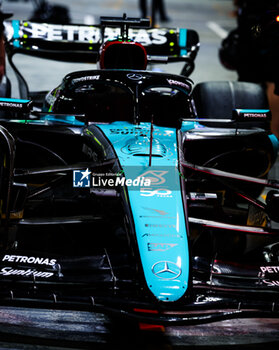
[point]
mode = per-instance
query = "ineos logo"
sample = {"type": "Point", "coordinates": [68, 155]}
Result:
{"type": "Point", "coordinates": [134, 76]}
{"type": "Point", "coordinates": [156, 176]}
{"type": "Point", "coordinates": [166, 270]}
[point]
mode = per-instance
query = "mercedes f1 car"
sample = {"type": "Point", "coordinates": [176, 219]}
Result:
{"type": "Point", "coordinates": [127, 191]}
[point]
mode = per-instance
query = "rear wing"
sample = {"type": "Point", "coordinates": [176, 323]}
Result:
{"type": "Point", "coordinates": [81, 43]}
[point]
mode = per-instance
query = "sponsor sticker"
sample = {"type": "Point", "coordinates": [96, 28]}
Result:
{"type": "Point", "coordinates": [89, 34]}
{"type": "Point", "coordinates": [156, 176]}
{"type": "Point", "coordinates": [178, 83]}
{"type": "Point", "coordinates": [171, 235]}
{"type": "Point", "coordinates": [9, 271]}
{"type": "Point", "coordinates": [133, 131]}
{"type": "Point", "coordinates": [160, 247]}
{"type": "Point", "coordinates": [269, 269]}
{"type": "Point", "coordinates": [87, 78]}
{"type": "Point", "coordinates": [29, 260]}
{"type": "Point", "coordinates": [159, 192]}
{"type": "Point", "coordinates": [159, 225]}
{"type": "Point", "coordinates": [271, 283]}
{"type": "Point", "coordinates": [271, 274]}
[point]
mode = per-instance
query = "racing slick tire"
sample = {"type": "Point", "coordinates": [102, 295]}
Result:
{"type": "Point", "coordinates": [217, 99]}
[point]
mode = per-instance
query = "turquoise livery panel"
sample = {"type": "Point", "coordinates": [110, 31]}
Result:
{"type": "Point", "coordinates": [156, 204]}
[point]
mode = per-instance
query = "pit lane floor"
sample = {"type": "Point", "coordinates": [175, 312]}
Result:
{"type": "Point", "coordinates": [23, 328]}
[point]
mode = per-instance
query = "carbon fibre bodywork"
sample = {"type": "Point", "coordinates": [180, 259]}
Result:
{"type": "Point", "coordinates": [117, 197]}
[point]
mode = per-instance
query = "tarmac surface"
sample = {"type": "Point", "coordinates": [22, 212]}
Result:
{"type": "Point", "coordinates": [24, 328]}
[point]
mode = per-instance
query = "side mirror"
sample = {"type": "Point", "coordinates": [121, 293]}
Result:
{"type": "Point", "coordinates": [272, 205]}
{"type": "Point", "coordinates": [14, 107]}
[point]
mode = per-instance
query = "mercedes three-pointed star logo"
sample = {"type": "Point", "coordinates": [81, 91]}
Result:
{"type": "Point", "coordinates": [134, 76]}
{"type": "Point", "coordinates": [166, 270]}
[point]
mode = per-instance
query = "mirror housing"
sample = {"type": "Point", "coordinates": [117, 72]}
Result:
{"type": "Point", "coordinates": [272, 205]}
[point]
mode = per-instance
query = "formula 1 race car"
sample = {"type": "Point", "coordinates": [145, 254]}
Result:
{"type": "Point", "coordinates": [129, 192]}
